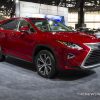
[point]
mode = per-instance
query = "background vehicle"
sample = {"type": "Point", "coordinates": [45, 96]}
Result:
{"type": "Point", "coordinates": [87, 30]}
{"type": "Point", "coordinates": [50, 45]}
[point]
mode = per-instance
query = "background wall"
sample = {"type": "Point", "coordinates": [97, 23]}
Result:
{"type": "Point", "coordinates": [28, 9]}
{"type": "Point", "coordinates": [92, 19]}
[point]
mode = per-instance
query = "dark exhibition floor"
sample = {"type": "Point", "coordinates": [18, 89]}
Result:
{"type": "Point", "coordinates": [18, 81]}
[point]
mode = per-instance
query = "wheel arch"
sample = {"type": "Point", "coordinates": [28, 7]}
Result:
{"type": "Point", "coordinates": [42, 47]}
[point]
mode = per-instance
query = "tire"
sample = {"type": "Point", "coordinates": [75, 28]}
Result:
{"type": "Point", "coordinates": [2, 57]}
{"type": "Point", "coordinates": [45, 64]}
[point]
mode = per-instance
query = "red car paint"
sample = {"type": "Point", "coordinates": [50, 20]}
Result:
{"type": "Point", "coordinates": [24, 46]}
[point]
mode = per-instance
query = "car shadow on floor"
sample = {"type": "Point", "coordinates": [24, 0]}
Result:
{"type": "Point", "coordinates": [69, 75]}
{"type": "Point", "coordinates": [21, 63]}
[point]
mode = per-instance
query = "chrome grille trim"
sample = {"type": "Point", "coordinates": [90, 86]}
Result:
{"type": "Point", "coordinates": [83, 66]}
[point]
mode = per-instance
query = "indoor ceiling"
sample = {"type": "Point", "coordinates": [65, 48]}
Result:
{"type": "Point", "coordinates": [8, 6]}
{"type": "Point", "coordinates": [65, 3]}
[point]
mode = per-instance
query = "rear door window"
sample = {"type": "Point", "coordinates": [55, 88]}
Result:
{"type": "Point", "coordinates": [10, 25]}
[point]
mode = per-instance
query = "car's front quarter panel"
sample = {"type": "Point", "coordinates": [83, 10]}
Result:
{"type": "Point", "coordinates": [64, 62]}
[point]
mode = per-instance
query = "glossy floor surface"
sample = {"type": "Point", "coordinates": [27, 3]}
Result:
{"type": "Point", "coordinates": [19, 81]}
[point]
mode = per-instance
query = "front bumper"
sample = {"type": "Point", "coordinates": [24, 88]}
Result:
{"type": "Point", "coordinates": [85, 59]}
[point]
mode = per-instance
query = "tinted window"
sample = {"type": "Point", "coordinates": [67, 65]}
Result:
{"type": "Point", "coordinates": [24, 23]}
{"type": "Point", "coordinates": [10, 25]}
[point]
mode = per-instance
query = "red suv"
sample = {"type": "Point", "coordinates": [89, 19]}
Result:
{"type": "Point", "coordinates": [50, 45]}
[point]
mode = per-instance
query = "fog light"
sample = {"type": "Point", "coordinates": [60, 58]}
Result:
{"type": "Point", "coordinates": [70, 56]}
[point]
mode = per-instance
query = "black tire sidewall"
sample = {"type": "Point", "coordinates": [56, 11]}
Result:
{"type": "Point", "coordinates": [2, 57]}
{"type": "Point", "coordinates": [53, 68]}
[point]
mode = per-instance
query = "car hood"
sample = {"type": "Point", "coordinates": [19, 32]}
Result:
{"type": "Point", "coordinates": [77, 37]}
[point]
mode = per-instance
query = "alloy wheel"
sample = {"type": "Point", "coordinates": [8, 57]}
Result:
{"type": "Point", "coordinates": [45, 64]}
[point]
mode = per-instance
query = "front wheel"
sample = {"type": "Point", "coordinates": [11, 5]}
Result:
{"type": "Point", "coordinates": [45, 64]}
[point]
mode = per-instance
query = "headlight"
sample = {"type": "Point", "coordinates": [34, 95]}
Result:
{"type": "Point", "coordinates": [71, 45]}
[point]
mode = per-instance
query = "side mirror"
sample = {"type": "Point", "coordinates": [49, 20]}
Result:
{"type": "Point", "coordinates": [25, 29]}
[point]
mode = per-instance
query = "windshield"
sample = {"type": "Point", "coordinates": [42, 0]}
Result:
{"type": "Point", "coordinates": [51, 26]}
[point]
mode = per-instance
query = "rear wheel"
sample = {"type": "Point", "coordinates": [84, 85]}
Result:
{"type": "Point", "coordinates": [45, 64]}
{"type": "Point", "coordinates": [2, 57]}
